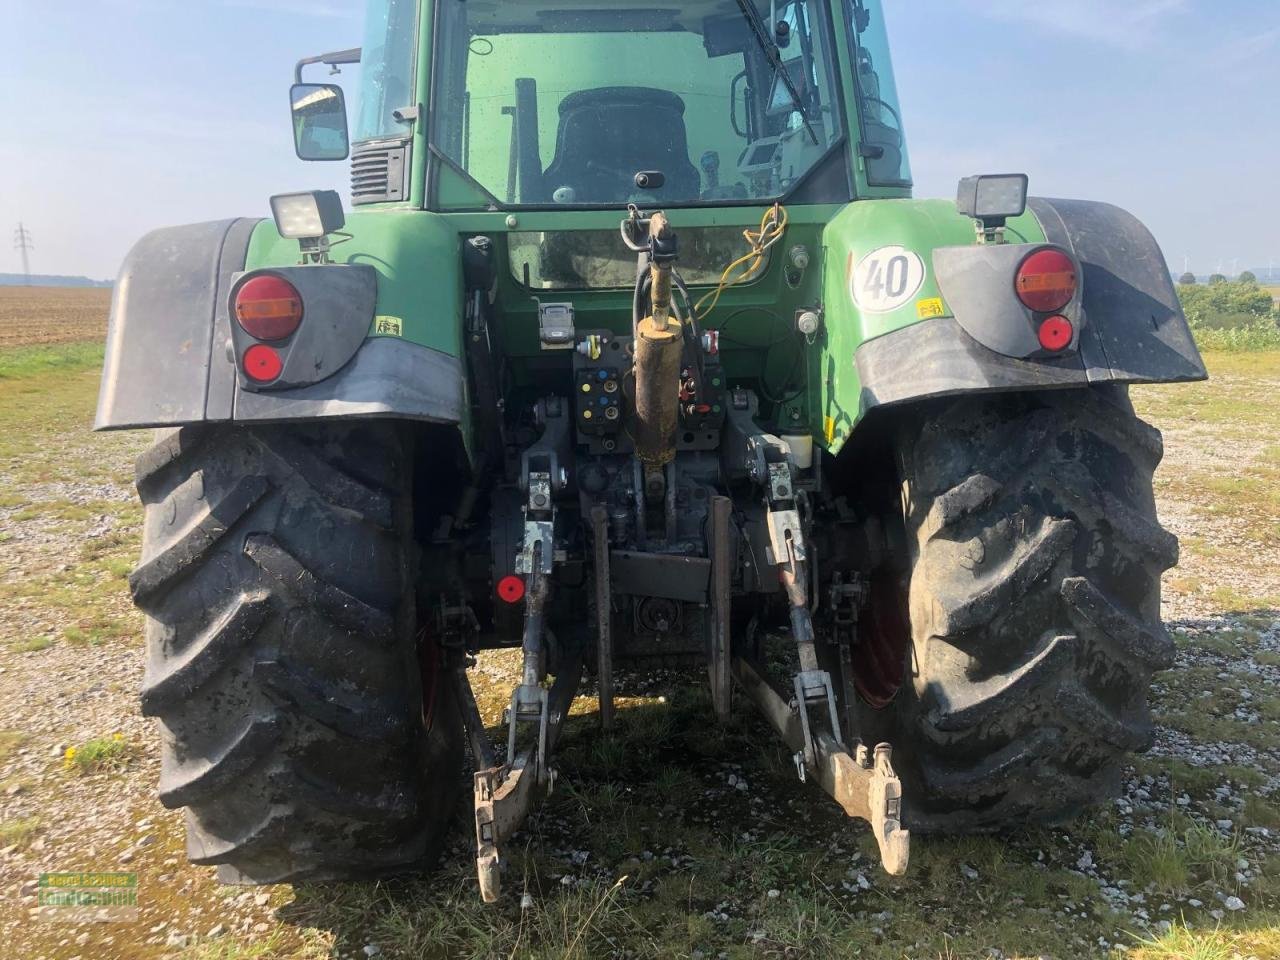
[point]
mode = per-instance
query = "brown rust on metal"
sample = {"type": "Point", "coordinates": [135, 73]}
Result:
{"type": "Point", "coordinates": [604, 613]}
{"type": "Point", "coordinates": [721, 598]}
{"type": "Point", "coordinates": [867, 790]}
{"type": "Point", "coordinates": [504, 795]}
{"type": "Point", "coordinates": [660, 273]}
{"type": "Point", "coordinates": [659, 351]}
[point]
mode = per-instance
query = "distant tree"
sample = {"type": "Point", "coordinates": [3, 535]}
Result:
{"type": "Point", "coordinates": [1226, 304]}
{"type": "Point", "coordinates": [1187, 279]}
{"type": "Point", "coordinates": [1216, 279]}
{"type": "Point", "coordinates": [1248, 277]}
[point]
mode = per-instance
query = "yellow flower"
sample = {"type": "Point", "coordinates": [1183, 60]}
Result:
{"type": "Point", "coordinates": [118, 737]}
{"type": "Point", "coordinates": [69, 758]}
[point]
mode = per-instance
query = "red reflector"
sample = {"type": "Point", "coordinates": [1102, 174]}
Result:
{"type": "Point", "coordinates": [511, 589]}
{"type": "Point", "coordinates": [262, 364]}
{"type": "Point", "coordinates": [1056, 334]}
{"type": "Point", "coordinates": [268, 308]}
{"type": "Point", "coordinates": [1046, 281]}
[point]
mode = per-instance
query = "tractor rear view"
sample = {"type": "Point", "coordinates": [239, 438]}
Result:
{"type": "Point", "coordinates": [636, 348]}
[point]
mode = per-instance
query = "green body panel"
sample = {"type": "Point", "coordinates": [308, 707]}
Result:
{"type": "Point", "coordinates": [418, 258]}
{"type": "Point", "coordinates": [416, 255]}
{"type": "Point", "coordinates": [861, 228]}
{"type": "Point", "coordinates": [756, 318]}
{"type": "Point", "coordinates": [422, 84]}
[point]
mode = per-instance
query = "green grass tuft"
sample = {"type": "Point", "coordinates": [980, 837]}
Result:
{"type": "Point", "coordinates": [98, 754]}
{"type": "Point", "coordinates": [19, 362]}
{"type": "Point", "coordinates": [19, 833]}
{"type": "Point", "coordinates": [32, 645]}
{"type": "Point", "coordinates": [1183, 943]}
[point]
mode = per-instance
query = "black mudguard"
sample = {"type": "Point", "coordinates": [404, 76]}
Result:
{"type": "Point", "coordinates": [1134, 328]}
{"type": "Point", "coordinates": [172, 347]}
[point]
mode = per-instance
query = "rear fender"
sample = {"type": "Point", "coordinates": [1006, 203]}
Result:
{"type": "Point", "coordinates": [959, 328]}
{"type": "Point", "coordinates": [1135, 330]}
{"type": "Point", "coordinates": [173, 350]}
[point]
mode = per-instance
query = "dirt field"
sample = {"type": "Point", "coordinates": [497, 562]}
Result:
{"type": "Point", "coordinates": [30, 315]}
{"type": "Point", "coordinates": [674, 839]}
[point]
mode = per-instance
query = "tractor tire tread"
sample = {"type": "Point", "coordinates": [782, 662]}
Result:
{"type": "Point", "coordinates": [282, 661]}
{"type": "Point", "coordinates": [1034, 605]}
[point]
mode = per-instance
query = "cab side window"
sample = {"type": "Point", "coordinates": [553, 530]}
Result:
{"type": "Point", "coordinates": [884, 144]}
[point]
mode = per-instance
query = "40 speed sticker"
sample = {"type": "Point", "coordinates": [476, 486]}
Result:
{"type": "Point", "coordinates": [886, 279]}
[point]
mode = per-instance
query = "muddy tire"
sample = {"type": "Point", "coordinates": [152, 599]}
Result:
{"type": "Point", "coordinates": [299, 730]}
{"type": "Point", "coordinates": [1034, 604]}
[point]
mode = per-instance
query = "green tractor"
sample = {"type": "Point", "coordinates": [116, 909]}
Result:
{"type": "Point", "coordinates": [636, 347]}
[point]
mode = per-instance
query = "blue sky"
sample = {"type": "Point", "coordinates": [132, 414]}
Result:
{"type": "Point", "coordinates": [123, 115]}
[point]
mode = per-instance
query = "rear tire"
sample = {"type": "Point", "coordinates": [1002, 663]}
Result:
{"type": "Point", "coordinates": [277, 578]}
{"type": "Point", "coordinates": [1034, 605]}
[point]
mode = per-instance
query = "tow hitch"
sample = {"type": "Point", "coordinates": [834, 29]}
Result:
{"type": "Point", "coordinates": [805, 715]}
{"type": "Point", "coordinates": [862, 782]}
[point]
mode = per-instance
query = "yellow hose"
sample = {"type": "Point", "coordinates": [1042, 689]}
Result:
{"type": "Point", "coordinates": [772, 226]}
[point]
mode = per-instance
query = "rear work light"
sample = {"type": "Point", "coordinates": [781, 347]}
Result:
{"type": "Point", "coordinates": [1046, 281]}
{"type": "Point", "coordinates": [1056, 334]}
{"type": "Point", "coordinates": [269, 308]}
{"type": "Point", "coordinates": [262, 364]}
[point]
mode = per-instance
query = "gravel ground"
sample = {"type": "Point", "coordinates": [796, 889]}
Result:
{"type": "Point", "coordinates": [70, 666]}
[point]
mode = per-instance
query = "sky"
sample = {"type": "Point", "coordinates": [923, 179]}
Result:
{"type": "Point", "coordinates": [120, 116]}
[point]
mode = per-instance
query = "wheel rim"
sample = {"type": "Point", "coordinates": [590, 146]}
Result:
{"type": "Point", "coordinates": [884, 637]}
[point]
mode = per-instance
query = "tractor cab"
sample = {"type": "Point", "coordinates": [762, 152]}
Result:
{"type": "Point", "coordinates": [585, 105]}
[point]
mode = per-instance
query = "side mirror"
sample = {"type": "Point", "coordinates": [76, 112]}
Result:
{"type": "Point", "coordinates": [319, 121]}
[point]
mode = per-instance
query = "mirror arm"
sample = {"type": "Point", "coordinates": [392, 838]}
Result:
{"type": "Point", "coordinates": [337, 58]}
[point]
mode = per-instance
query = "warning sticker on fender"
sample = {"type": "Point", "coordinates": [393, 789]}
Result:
{"type": "Point", "coordinates": [931, 308]}
{"type": "Point", "coordinates": [388, 326]}
{"type": "Point", "coordinates": [886, 279]}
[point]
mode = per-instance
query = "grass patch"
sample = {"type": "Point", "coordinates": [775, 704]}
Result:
{"type": "Point", "coordinates": [19, 833]}
{"type": "Point", "coordinates": [1236, 400]}
{"type": "Point", "coordinates": [97, 755]}
{"type": "Point", "coordinates": [32, 645]}
{"type": "Point", "coordinates": [1261, 336]}
{"type": "Point", "coordinates": [19, 362]}
{"type": "Point", "coordinates": [270, 947]}
{"type": "Point", "coordinates": [92, 631]}
{"type": "Point", "coordinates": [1183, 943]}
{"type": "Point", "coordinates": [1180, 857]}
{"type": "Point", "coordinates": [1158, 861]}
{"type": "Point", "coordinates": [9, 500]}
{"type": "Point", "coordinates": [1211, 853]}
{"type": "Point", "coordinates": [1260, 941]}
{"type": "Point", "coordinates": [1262, 811]}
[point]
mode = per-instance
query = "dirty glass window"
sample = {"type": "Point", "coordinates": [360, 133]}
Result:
{"type": "Point", "coordinates": [883, 139]}
{"type": "Point", "coordinates": [566, 106]}
{"type": "Point", "coordinates": [386, 67]}
{"type": "Point", "coordinates": [582, 259]}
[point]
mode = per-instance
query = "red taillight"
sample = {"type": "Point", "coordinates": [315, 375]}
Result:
{"type": "Point", "coordinates": [1056, 334]}
{"type": "Point", "coordinates": [1046, 281]}
{"type": "Point", "coordinates": [511, 589]}
{"type": "Point", "coordinates": [262, 363]}
{"type": "Point", "coordinates": [269, 308]}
